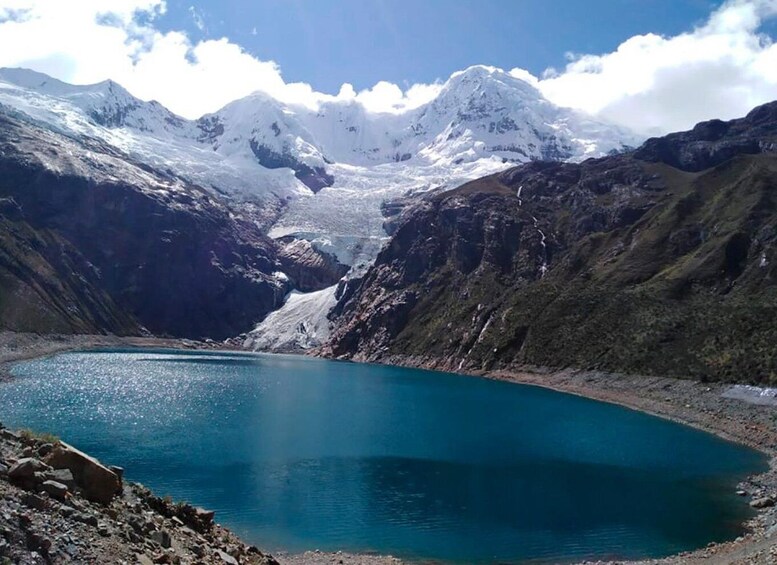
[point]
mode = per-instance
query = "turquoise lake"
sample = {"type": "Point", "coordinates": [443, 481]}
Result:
{"type": "Point", "coordinates": [295, 453]}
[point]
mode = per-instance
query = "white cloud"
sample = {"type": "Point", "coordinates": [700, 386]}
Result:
{"type": "Point", "coordinates": [86, 42]}
{"type": "Point", "coordinates": [657, 84]}
{"type": "Point", "coordinates": [650, 83]}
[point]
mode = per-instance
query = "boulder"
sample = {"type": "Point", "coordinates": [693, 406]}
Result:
{"type": "Point", "coordinates": [26, 469]}
{"type": "Point", "coordinates": [64, 476]}
{"type": "Point", "coordinates": [763, 502]}
{"type": "Point", "coordinates": [55, 489]}
{"type": "Point", "coordinates": [98, 483]}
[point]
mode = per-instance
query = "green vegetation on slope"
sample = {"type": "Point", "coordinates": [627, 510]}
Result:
{"type": "Point", "coordinates": [664, 264]}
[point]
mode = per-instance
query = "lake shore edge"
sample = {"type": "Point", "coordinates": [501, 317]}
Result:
{"type": "Point", "coordinates": [691, 403]}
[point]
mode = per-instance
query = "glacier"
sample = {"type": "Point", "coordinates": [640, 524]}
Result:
{"type": "Point", "coordinates": [322, 174]}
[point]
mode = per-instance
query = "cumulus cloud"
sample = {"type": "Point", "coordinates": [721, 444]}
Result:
{"type": "Point", "coordinates": [656, 84]}
{"type": "Point", "coordinates": [650, 83]}
{"type": "Point", "coordinates": [90, 40]}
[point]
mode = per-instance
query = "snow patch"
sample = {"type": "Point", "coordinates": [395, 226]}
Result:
{"type": "Point", "coordinates": [752, 394]}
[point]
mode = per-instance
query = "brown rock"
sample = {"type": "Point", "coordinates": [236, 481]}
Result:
{"type": "Point", "coordinates": [26, 468]}
{"type": "Point", "coordinates": [55, 489]}
{"type": "Point", "coordinates": [99, 484]}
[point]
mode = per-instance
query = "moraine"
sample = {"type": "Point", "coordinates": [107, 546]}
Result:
{"type": "Point", "coordinates": [297, 453]}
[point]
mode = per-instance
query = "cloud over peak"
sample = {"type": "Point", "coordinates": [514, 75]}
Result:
{"type": "Point", "coordinates": [650, 83]}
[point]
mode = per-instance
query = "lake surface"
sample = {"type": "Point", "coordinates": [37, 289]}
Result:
{"type": "Point", "coordinates": [296, 453]}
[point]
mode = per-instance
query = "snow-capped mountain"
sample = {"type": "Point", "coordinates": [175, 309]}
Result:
{"type": "Point", "coordinates": [323, 174]}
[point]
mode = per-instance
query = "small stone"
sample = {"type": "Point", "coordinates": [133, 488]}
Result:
{"type": "Point", "coordinates": [204, 519]}
{"type": "Point", "coordinates": [39, 543]}
{"type": "Point", "coordinates": [34, 501]}
{"type": "Point", "coordinates": [226, 558]}
{"type": "Point", "coordinates": [45, 449]}
{"type": "Point", "coordinates": [88, 519]}
{"type": "Point", "coordinates": [118, 470]}
{"type": "Point", "coordinates": [27, 452]}
{"type": "Point", "coordinates": [144, 559]}
{"type": "Point", "coordinates": [25, 521]}
{"type": "Point", "coordinates": [9, 435]}
{"type": "Point", "coordinates": [161, 537]}
{"type": "Point", "coordinates": [198, 551]}
{"type": "Point", "coordinates": [103, 530]}
{"type": "Point", "coordinates": [741, 493]}
{"type": "Point", "coordinates": [3, 469]}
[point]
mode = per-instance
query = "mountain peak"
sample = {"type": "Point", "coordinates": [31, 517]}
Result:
{"type": "Point", "coordinates": [488, 82]}
{"type": "Point", "coordinates": [477, 72]}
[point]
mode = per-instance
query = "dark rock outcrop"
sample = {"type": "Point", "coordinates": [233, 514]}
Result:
{"type": "Point", "coordinates": [713, 142]}
{"type": "Point", "coordinates": [315, 178]}
{"type": "Point", "coordinates": [309, 268]}
{"type": "Point", "coordinates": [658, 261]}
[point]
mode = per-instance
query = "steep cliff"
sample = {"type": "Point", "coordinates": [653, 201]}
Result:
{"type": "Point", "coordinates": [658, 261]}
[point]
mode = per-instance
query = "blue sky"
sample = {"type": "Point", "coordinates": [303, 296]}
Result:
{"type": "Point", "coordinates": [327, 43]}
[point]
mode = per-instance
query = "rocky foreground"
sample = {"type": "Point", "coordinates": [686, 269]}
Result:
{"type": "Point", "coordinates": [58, 505]}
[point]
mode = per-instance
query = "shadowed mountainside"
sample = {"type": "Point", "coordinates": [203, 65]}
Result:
{"type": "Point", "coordinates": [93, 242]}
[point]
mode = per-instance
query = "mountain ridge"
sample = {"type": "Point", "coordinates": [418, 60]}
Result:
{"type": "Point", "coordinates": [625, 263]}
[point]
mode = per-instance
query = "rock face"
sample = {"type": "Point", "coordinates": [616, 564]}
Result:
{"type": "Point", "coordinates": [92, 242]}
{"type": "Point", "coordinates": [309, 268]}
{"type": "Point", "coordinates": [658, 261]}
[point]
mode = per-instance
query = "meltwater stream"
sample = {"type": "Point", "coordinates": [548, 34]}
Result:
{"type": "Point", "coordinates": [296, 453]}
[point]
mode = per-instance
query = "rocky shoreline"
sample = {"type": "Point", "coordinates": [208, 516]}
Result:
{"type": "Point", "coordinates": [26, 521]}
{"type": "Point", "coordinates": [58, 505]}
